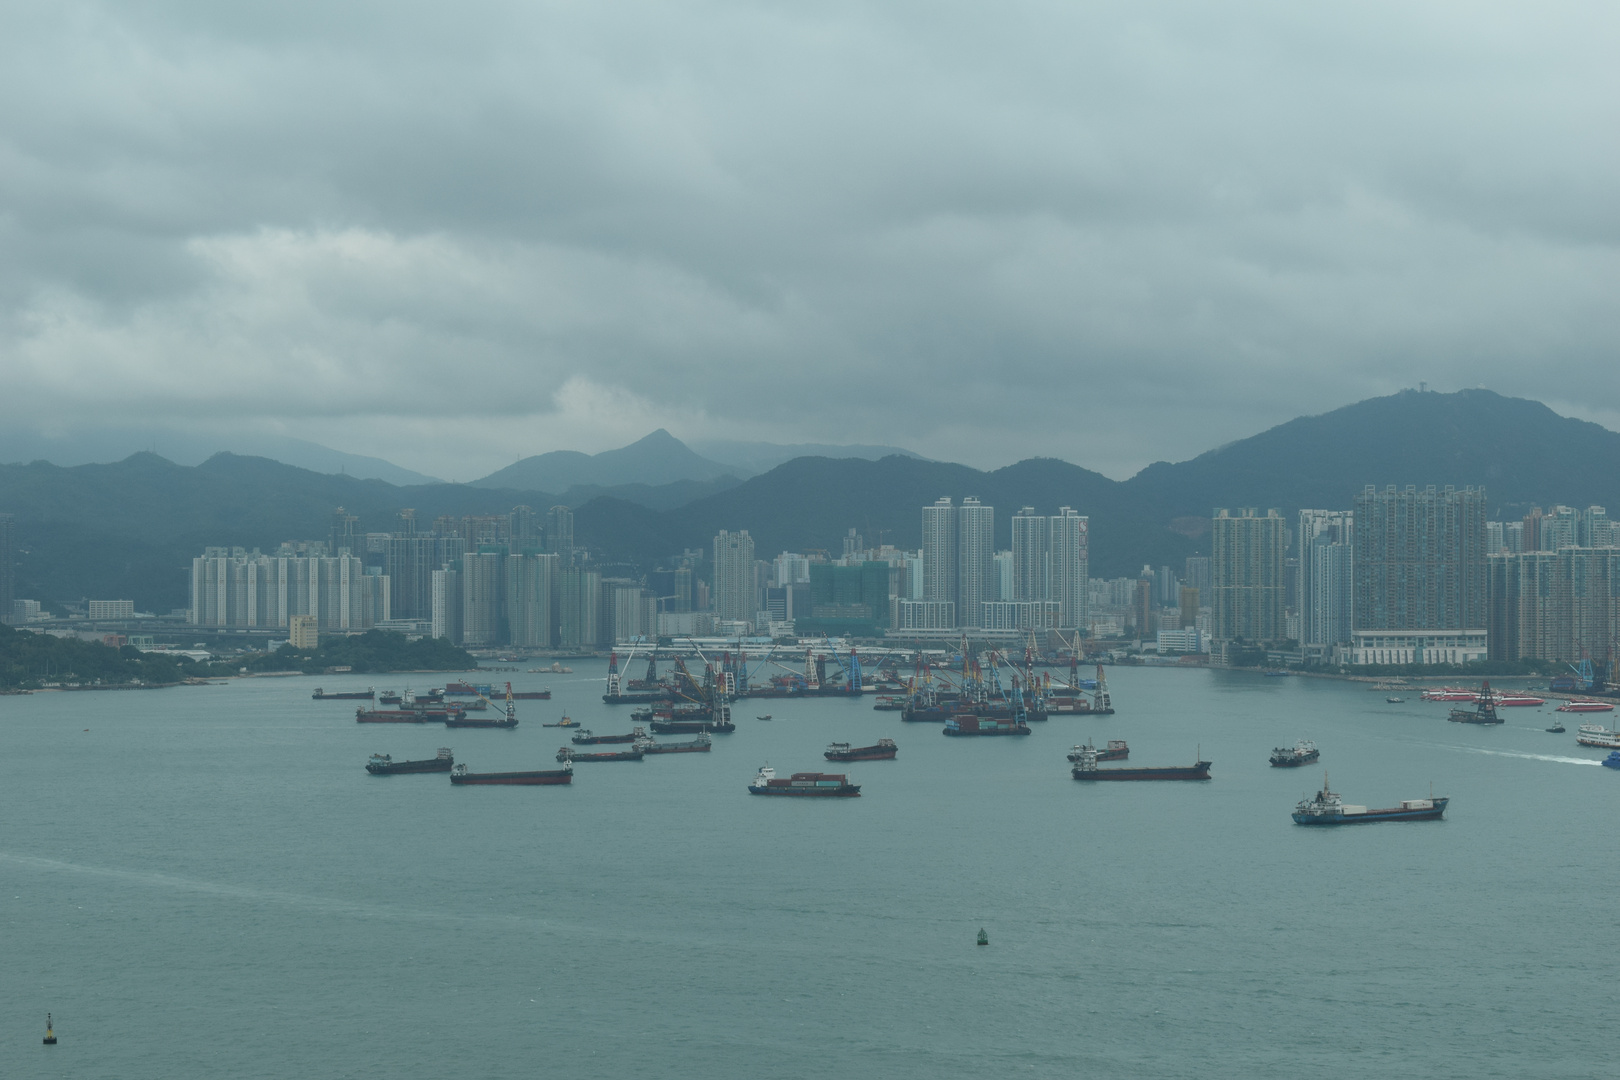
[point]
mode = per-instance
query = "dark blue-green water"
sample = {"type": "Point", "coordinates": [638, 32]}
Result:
{"type": "Point", "coordinates": [206, 883]}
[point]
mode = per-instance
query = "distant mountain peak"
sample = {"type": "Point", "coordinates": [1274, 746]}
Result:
{"type": "Point", "coordinates": [654, 459]}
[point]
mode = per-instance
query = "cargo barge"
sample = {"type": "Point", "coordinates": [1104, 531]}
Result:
{"type": "Point", "coordinates": [583, 737]}
{"type": "Point", "coordinates": [1116, 750]}
{"type": "Point", "coordinates": [1483, 713]}
{"type": "Point", "coordinates": [348, 695]}
{"type": "Point", "coordinates": [567, 753]}
{"type": "Point", "coordinates": [391, 716]}
{"type": "Point", "coordinates": [984, 725]}
{"type": "Point", "coordinates": [384, 765]}
{"type": "Point", "coordinates": [462, 720]}
{"type": "Point", "coordinates": [1289, 757]}
{"type": "Point", "coordinates": [465, 689]}
{"type": "Point", "coordinates": [884, 750]}
{"type": "Point", "coordinates": [564, 775]}
{"type": "Point", "coordinates": [1086, 769]}
{"type": "Point", "coordinates": [699, 745]}
{"type": "Point", "coordinates": [812, 785]}
{"type": "Point", "coordinates": [1327, 809]}
{"type": "Point", "coordinates": [394, 697]}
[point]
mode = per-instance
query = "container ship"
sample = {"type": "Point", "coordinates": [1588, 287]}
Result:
{"type": "Point", "coordinates": [583, 737]}
{"type": "Point", "coordinates": [1327, 809]}
{"type": "Point", "coordinates": [1599, 736]}
{"type": "Point", "coordinates": [564, 775]}
{"type": "Point", "coordinates": [699, 745]}
{"type": "Point", "coordinates": [1116, 750]}
{"type": "Point", "coordinates": [803, 784]}
{"type": "Point", "coordinates": [1586, 706]}
{"type": "Point", "coordinates": [965, 725]}
{"type": "Point", "coordinates": [348, 695]}
{"type": "Point", "coordinates": [1289, 757]}
{"type": "Point", "coordinates": [567, 753]}
{"type": "Point", "coordinates": [384, 765]}
{"type": "Point", "coordinates": [1086, 769]}
{"type": "Point", "coordinates": [885, 750]}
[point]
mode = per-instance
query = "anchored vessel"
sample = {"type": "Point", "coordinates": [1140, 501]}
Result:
{"type": "Point", "coordinates": [348, 695]}
{"type": "Point", "coordinates": [806, 784]}
{"type": "Point", "coordinates": [567, 753]}
{"type": "Point", "coordinates": [985, 725]}
{"type": "Point", "coordinates": [466, 689]}
{"type": "Point", "coordinates": [564, 775]}
{"type": "Point", "coordinates": [1301, 753]}
{"type": "Point", "coordinates": [583, 737]}
{"type": "Point", "coordinates": [1116, 750]}
{"type": "Point", "coordinates": [1586, 706]}
{"type": "Point", "coordinates": [384, 765]}
{"type": "Point", "coordinates": [1327, 809]}
{"type": "Point", "coordinates": [1086, 769]}
{"type": "Point", "coordinates": [842, 751]}
{"type": "Point", "coordinates": [397, 716]}
{"type": "Point", "coordinates": [699, 745]}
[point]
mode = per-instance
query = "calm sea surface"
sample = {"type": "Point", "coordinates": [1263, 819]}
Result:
{"type": "Point", "coordinates": [204, 882]}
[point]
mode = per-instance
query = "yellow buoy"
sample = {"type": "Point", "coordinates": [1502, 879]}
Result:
{"type": "Point", "coordinates": [50, 1036]}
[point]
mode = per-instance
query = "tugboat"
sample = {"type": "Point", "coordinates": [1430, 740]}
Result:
{"type": "Point", "coordinates": [1301, 753]}
{"type": "Point", "coordinates": [699, 745]}
{"type": "Point", "coordinates": [1116, 750]}
{"type": "Point", "coordinates": [1086, 769]}
{"type": "Point", "coordinates": [1557, 727]}
{"type": "Point", "coordinates": [384, 765]}
{"type": "Point", "coordinates": [564, 775]}
{"type": "Point", "coordinates": [633, 754]}
{"type": "Point", "coordinates": [1327, 809]}
{"type": "Point", "coordinates": [1485, 713]}
{"type": "Point", "coordinates": [1613, 760]}
{"type": "Point", "coordinates": [842, 751]}
{"type": "Point", "coordinates": [803, 784]}
{"type": "Point", "coordinates": [583, 737]}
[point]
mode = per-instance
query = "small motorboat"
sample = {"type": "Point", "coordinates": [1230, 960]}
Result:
{"type": "Point", "coordinates": [1557, 726]}
{"type": "Point", "coordinates": [1613, 760]}
{"type": "Point", "coordinates": [767, 716]}
{"type": "Point", "coordinates": [564, 722]}
{"type": "Point", "coordinates": [1394, 700]}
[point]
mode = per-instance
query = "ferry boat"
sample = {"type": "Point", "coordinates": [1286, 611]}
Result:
{"type": "Point", "coordinates": [1327, 809]}
{"type": "Point", "coordinates": [583, 737]}
{"type": "Point", "coordinates": [1116, 750]}
{"type": "Point", "coordinates": [812, 785]}
{"type": "Point", "coordinates": [699, 745]}
{"type": "Point", "coordinates": [985, 725]}
{"type": "Point", "coordinates": [1086, 769]}
{"type": "Point", "coordinates": [384, 765]}
{"type": "Point", "coordinates": [884, 750]}
{"type": "Point", "coordinates": [1301, 753]}
{"type": "Point", "coordinates": [567, 753]}
{"type": "Point", "coordinates": [1599, 736]}
{"type": "Point", "coordinates": [564, 775]}
{"type": "Point", "coordinates": [1507, 700]}
{"type": "Point", "coordinates": [1586, 706]}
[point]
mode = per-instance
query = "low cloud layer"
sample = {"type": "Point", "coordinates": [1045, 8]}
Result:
{"type": "Point", "coordinates": [453, 235]}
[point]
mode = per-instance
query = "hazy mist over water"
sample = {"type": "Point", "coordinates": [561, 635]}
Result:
{"type": "Point", "coordinates": [207, 883]}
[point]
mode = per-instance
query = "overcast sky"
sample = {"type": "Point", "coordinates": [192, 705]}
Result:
{"type": "Point", "coordinates": [452, 235]}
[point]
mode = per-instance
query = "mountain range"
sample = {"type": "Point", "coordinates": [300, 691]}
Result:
{"type": "Point", "coordinates": [129, 530]}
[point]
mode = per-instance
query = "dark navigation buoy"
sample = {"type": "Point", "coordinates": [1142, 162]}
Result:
{"type": "Point", "coordinates": [984, 938]}
{"type": "Point", "coordinates": [50, 1036]}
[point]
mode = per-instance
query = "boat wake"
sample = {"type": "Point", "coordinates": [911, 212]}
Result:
{"type": "Point", "coordinates": [1559, 758]}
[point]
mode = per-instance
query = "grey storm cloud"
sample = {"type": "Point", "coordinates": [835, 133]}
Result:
{"type": "Point", "coordinates": [456, 234]}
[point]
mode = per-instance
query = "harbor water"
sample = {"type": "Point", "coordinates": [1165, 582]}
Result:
{"type": "Point", "coordinates": [204, 881]}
